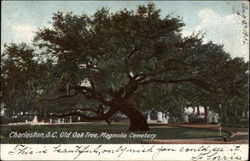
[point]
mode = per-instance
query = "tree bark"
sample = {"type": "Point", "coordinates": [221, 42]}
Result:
{"type": "Point", "coordinates": [198, 110]}
{"type": "Point", "coordinates": [206, 111]}
{"type": "Point", "coordinates": [137, 120]}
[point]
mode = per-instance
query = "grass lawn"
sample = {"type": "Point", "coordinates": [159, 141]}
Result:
{"type": "Point", "coordinates": [161, 132]}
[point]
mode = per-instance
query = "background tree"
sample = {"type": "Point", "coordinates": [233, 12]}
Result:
{"type": "Point", "coordinates": [19, 77]}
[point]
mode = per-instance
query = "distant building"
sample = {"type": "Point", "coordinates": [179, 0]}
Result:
{"type": "Point", "coordinates": [3, 110]}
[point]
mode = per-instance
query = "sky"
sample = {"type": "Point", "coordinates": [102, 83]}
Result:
{"type": "Point", "coordinates": [217, 19]}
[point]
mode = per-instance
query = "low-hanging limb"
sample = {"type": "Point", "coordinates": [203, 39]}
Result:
{"type": "Point", "coordinates": [64, 96]}
{"type": "Point", "coordinates": [206, 86]}
{"type": "Point", "coordinates": [90, 93]}
{"type": "Point", "coordinates": [104, 116]}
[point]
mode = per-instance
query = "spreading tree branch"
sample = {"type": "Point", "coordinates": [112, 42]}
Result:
{"type": "Point", "coordinates": [104, 116]}
{"type": "Point", "coordinates": [90, 93]}
{"type": "Point", "coordinates": [64, 96]}
{"type": "Point", "coordinates": [192, 80]}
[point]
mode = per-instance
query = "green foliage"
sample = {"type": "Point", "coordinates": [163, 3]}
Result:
{"type": "Point", "coordinates": [133, 54]}
{"type": "Point", "coordinates": [19, 77]}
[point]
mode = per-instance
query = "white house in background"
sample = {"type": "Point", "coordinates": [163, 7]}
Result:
{"type": "Point", "coordinates": [200, 112]}
{"type": "Point", "coordinates": [3, 110]}
{"type": "Point", "coordinates": [85, 83]}
{"type": "Point", "coordinates": [161, 117]}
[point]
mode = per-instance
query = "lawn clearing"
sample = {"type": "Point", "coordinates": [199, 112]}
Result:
{"type": "Point", "coordinates": [76, 133]}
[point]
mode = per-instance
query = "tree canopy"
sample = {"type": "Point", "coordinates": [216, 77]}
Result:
{"type": "Point", "coordinates": [124, 61]}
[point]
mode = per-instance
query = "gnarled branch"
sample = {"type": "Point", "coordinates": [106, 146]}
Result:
{"type": "Point", "coordinates": [104, 116]}
{"type": "Point", "coordinates": [64, 96]}
{"type": "Point", "coordinates": [192, 80]}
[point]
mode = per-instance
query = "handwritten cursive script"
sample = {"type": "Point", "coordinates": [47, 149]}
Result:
{"type": "Point", "coordinates": [195, 152]}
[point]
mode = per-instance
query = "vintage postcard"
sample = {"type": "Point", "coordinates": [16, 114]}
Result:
{"type": "Point", "coordinates": [124, 80]}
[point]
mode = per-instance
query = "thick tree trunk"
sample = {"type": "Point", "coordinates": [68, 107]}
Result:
{"type": "Point", "coordinates": [137, 120]}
